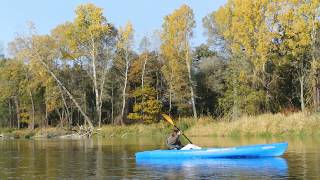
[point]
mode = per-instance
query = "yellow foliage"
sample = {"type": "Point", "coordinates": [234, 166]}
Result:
{"type": "Point", "coordinates": [149, 107]}
{"type": "Point", "coordinates": [243, 23]}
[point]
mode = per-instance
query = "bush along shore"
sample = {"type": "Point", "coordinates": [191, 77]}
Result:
{"type": "Point", "coordinates": [297, 124]}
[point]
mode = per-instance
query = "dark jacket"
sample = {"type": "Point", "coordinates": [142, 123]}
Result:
{"type": "Point", "coordinates": [173, 141]}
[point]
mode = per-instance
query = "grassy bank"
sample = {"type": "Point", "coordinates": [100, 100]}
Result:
{"type": "Point", "coordinates": [162, 128]}
{"type": "Point", "coordinates": [297, 124]}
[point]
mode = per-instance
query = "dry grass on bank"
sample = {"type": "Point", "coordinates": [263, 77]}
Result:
{"type": "Point", "coordinates": [262, 125]}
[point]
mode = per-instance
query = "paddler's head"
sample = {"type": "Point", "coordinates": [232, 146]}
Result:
{"type": "Point", "coordinates": [175, 131]}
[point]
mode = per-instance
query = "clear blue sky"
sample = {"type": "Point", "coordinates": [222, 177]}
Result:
{"type": "Point", "coordinates": [145, 15]}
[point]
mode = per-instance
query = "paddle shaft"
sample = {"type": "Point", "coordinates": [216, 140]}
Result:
{"type": "Point", "coordinates": [183, 134]}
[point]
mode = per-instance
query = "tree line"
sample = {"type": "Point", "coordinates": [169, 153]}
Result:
{"type": "Point", "coordinates": [260, 57]}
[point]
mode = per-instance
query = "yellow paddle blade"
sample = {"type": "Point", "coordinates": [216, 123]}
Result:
{"type": "Point", "coordinates": [168, 118]}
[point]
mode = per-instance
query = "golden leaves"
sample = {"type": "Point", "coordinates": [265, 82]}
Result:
{"type": "Point", "coordinates": [88, 29]}
{"type": "Point", "coordinates": [125, 38]}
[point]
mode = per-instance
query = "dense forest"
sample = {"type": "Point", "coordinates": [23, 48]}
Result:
{"type": "Point", "coordinates": [259, 57]}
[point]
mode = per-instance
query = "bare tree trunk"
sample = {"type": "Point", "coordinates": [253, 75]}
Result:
{"type": "Point", "coordinates": [71, 116]}
{"type": "Point", "coordinates": [193, 102]}
{"type": "Point", "coordinates": [170, 98]}
{"type": "Point", "coordinates": [301, 80]}
{"type": "Point", "coordinates": [314, 83]}
{"type": "Point", "coordinates": [157, 81]}
{"type": "Point", "coordinates": [46, 116]}
{"type": "Point", "coordinates": [314, 66]}
{"type": "Point", "coordinates": [33, 109]}
{"type": "Point", "coordinates": [317, 97]}
{"type": "Point", "coordinates": [187, 59]}
{"type": "Point", "coordinates": [142, 81]}
{"type": "Point", "coordinates": [64, 103]}
{"type": "Point", "coordinates": [78, 122]}
{"type": "Point", "coordinates": [124, 93]}
{"type": "Point", "coordinates": [95, 84]}
{"type": "Point", "coordinates": [69, 94]}
{"type": "Point", "coordinates": [170, 91]}
{"type": "Point", "coordinates": [103, 78]}
{"type": "Point", "coordinates": [235, 107]}
{"type": "Point", "coordinates": [85, 108]}
{"type": "Point", "coordinates": [60, 117]}
{"type": "Point", "coordinates": [16, 102]}
{"type": "Point", "coordinates": [112, 119]}
{"type": "Point", "coordinates": [125, 86]}
{"type": "Point", "coordinates": [10, 114]}
{"type": "Point", "coordinates": [143, 71]}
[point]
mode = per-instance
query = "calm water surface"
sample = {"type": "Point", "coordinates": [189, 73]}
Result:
{"type": "Point", "coordinates": [113, 158]}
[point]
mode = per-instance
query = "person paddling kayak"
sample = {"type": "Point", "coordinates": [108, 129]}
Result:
{"type": "Point", "coordinates": [173, 141]}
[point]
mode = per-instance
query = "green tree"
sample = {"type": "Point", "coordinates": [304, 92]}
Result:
{"type": "Point", "coordinates": [210, 78]}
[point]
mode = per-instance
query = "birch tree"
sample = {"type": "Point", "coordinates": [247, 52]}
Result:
{"type": "Point", "coordinates": [124, 60]}
{"type": "Point", "coordinates": [90, 38]}
{"type": "Point", "coordinates": [144, 47]}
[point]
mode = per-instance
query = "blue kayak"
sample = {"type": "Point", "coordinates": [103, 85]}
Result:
{"type": "Point", "coordinates": [260, 150]}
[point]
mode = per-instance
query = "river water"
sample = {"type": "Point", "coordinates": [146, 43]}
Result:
{"type": "Point", "coordinates": [113, 158]}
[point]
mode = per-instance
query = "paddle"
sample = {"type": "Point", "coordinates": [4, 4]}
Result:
{"type": "Point", "coordinates": [168, 118]}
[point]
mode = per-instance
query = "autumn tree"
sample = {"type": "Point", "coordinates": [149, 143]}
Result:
{"type": "Point", "coordinates": [270, 35]}
{"type": "Point", "coordinates": [145, 81]}
{"type": "Point", "coordinates": [298, 23]}
{"type": "Point", "coordinates": [11, 78]}
{"type": "Point", "coordinates": [176, 34]}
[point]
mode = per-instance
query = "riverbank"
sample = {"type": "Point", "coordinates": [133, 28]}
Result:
{"type": "Point", "coordinates": [296, 124]}
{"type": "Point", "coordinates": [36, 133]}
